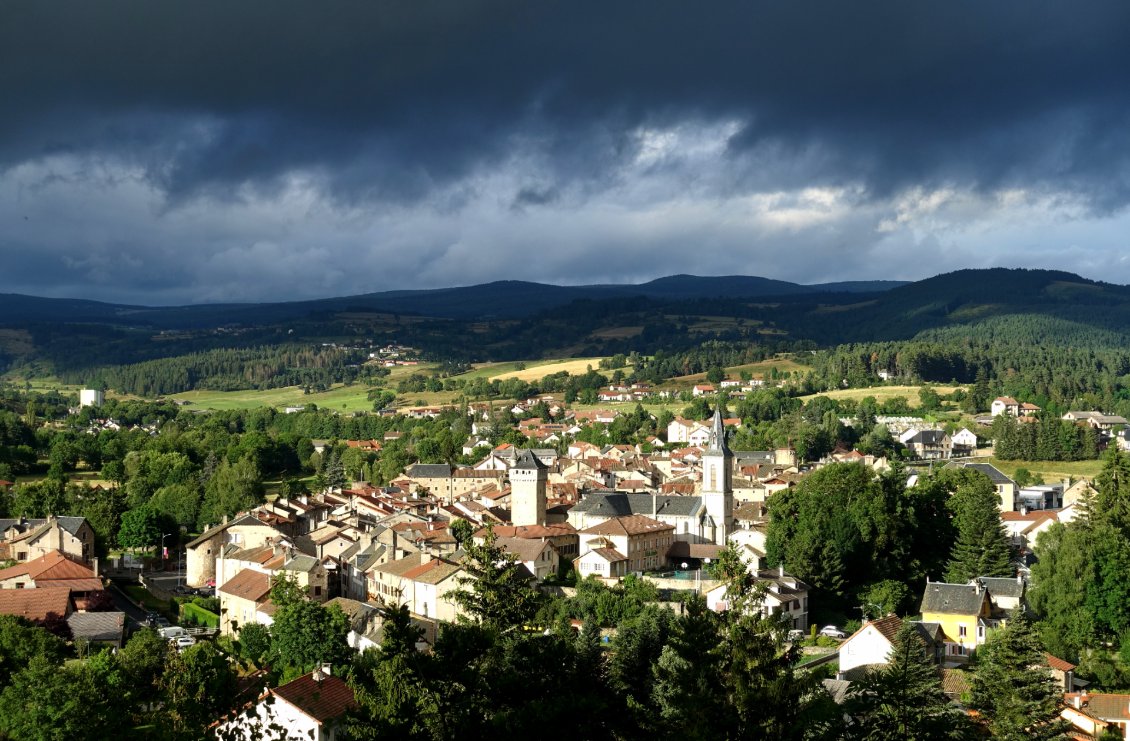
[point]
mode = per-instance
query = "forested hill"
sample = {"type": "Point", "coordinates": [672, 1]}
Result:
{"type": "Point", "coordinates": [509, 299]}
{"type": "Point", "coordinates": [968, 309]}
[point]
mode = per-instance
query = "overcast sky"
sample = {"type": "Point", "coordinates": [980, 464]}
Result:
{"type": "Point", "coordinates": [166, 153]}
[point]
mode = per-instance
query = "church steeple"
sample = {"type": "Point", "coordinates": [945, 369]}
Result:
{"type": "Point", "coordinates": [717, 480]}
{"type": "Point", "coordinates": [716, 443]}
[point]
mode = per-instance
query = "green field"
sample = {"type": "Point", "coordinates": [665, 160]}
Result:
{"type": "Point", "coordinates": [339, 398]}
{"type": "Point", "coordinates": [881, 393]}
{"type": "Point", "coordinates": [1052, 471]}
{"type": "Point", "coordinates": [783, 365]}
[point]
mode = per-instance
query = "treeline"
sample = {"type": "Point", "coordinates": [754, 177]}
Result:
{"type": "Point", "coordinates": [1047, 439]}
{"type": "Point", "coordinates": [1016, 356]}
{"type": "Point", "coordinates": [269, 366]}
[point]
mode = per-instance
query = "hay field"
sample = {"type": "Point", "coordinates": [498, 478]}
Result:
{"type": "Point", "coordinates": [536, 370]}
{"type": "Point", "coordinates": [882, 393]}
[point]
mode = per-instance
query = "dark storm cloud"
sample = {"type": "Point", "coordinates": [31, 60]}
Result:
{"type": "Point", "coordinates": [169, 152]}
{"type": "Point", "coordinates": [392, 99]}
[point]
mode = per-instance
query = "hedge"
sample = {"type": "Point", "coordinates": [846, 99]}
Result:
{"type": "Point", "coordinates": [196, 614]}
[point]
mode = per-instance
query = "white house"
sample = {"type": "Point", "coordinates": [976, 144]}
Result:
{"type": "Point", "coordinates": [311, 707]}
{"type": "Point", "coordinates": [871, 644]}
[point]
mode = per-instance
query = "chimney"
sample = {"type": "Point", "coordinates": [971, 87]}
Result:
{"type": "Point", "coordinates": [225, 519]}
{"type": "Point", "coordinates": [94, 566]}
{"type": "Point", "coordinates": [781, 570]}
{"type": "Point", "coordinates": [654, 504]}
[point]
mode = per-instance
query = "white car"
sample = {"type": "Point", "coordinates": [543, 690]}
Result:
{"type": "Point", "coordinates": [831, 631]}
{"type": "Point", "coordinates": [183, 642]}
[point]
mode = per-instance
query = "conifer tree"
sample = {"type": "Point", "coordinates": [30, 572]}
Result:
{"type": "Point", "coordinates": [495, 590]}
{"type": "Point", "coordinates": [904, 700]}
{"type": "Point", "coordinates": [1013, 688]}
{"type": "Point", "coordinates": [981, 548]}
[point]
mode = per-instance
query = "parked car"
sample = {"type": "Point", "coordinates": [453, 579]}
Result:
{"type": "Point", "coordinates": [150, 620]}
{"type": "Point", "coordinates": [183, 589]}
{"type": "Point", "coordinates": [831, 631]}
{"type": "Point", "coordinates": [796, 634]}
{"type": "Point", "coordinates": [184, 642]}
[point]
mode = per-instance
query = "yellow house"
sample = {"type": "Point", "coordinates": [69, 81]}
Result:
{"type": "Point", "coordinates": [963, 612]}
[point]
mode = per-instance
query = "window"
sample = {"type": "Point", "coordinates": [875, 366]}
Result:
{"type": "Point", "coordinates": [962, 631]}
{"type": "Point", "coordinates": [317, 591]}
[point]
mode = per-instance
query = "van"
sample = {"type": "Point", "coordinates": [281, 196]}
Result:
{"type": "Point", "coordinates": [173, 631]}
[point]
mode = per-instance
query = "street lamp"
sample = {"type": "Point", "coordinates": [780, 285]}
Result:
{"type": "Point", "coordinates": [164, 553]}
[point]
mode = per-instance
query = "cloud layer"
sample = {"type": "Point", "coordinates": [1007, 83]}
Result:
{"type": "Point", "coordinates": [170, 153]}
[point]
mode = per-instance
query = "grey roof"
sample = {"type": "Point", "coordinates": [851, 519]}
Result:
{"type": "Point", "coordinates": [1003, 586]}
{"type": "Point", "coordinates": [70, 524]}
{"type": "Point", "coordinates": [928, 437]}
{"type": "Point", "coordinates": [527, 461]}
{"type": "Point", "coordinates": [716, 443]}
{"type": "Point", "coordinates": [620, 504]}
{"type": "Point", "coordinates": [429, 470]}
{"type": "Point", "coordinates": [97, 626]}
{"type": "Point", "coordinates": [301, 563]}
{"type": "Point", "coordinates": [243, 519]}
{"type": "Point", "coordinates": [837, 689]}
{"type": "Point", "coordinates": [745, 457]}
{"type": "Point", "coordinates": [991, 471]}
{"type": "Point", "coordinates": [953, 599]}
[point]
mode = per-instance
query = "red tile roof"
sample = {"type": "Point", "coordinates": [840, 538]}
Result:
{"type": "Point", "coordinates": [1058, 664]}
{"type": "Point", "coordinates": [628, 525]}
{"type": "Point", "coordinates": [248, 584]}
{"type": "Point", "coordinates": [48, 567]}
{"type": "Point", "coordinates": [36, 605]}
{"type": "Point", "coordinates": [323, 700]}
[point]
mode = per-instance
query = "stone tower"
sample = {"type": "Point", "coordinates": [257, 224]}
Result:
{"type": "Point", "coordinates": [717, 481]}
{"type": "Point", "coordinates": [528, 477]}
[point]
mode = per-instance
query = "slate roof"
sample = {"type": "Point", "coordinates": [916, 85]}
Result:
{"type": "Point", "coordinates": [301, 563]}
{"type": "Point", "coordinates": [429, 471]}
{"type": "Point", "coordinates": [620, 504]}
{"type": "Point", "coordinates": [952, 599]}
{"type": "Point", "coordinates": [716, 443]}
{"type": "Point", "coordinates": [323, 700]}
{"type": "Point", "coordinates": [928, 437]}
{"type": "Point", "coordinates": [527, 461]}
{"type": "Point", "coordinates": [98, 626]}
{"type": "Point", "coordinates": [248, 584]}
{"type": "Point", "coordinates": [244, 519]}
{"type": "Point", "coordinates": [70, 524]}
{"type": "Point", "coordinates": [992, 472]}
{"type": "Point", "coordinates": [1002, 586]}
{"type": "Point", "coordinates": [837, 689]}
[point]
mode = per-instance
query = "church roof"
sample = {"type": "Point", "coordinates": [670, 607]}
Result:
{"type": "Point", "coordinates": [619, 504]}
{"type": "Point", "coordinates": [716, 443]}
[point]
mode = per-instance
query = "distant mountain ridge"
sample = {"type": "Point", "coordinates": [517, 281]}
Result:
{"type": "Point", "coordinates": [497, 299]}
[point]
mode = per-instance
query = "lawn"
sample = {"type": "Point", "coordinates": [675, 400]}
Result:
{"type": "Point", "coordinates": [1052, 471]}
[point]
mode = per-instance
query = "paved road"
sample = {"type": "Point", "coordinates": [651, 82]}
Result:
{"type": "Point", "coordinates": [135, 615]}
